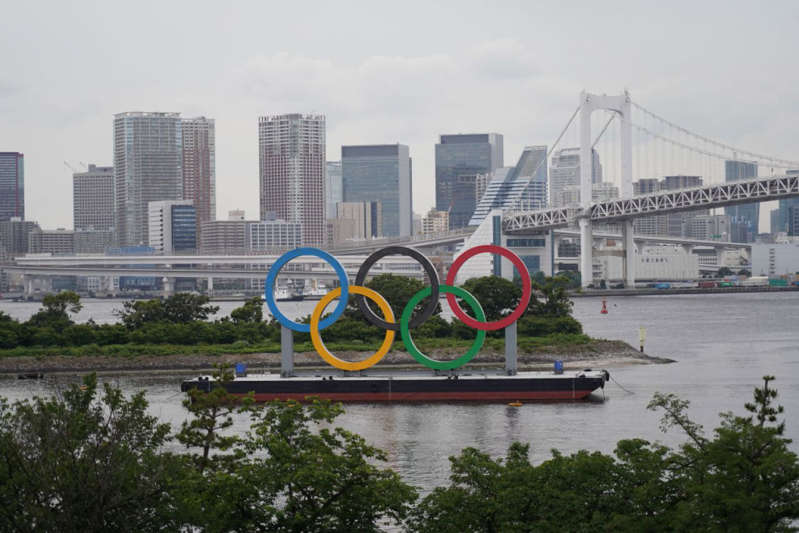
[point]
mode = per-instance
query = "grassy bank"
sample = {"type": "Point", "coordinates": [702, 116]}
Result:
{"type": "Point", "coordinates": [560, 341]}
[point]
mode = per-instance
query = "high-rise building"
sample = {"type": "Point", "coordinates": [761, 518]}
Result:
{"type": "Point", "coordinates": [333, 188]}
{"type": "Point", "coordinates": [744, 218]}
{"type": "Point", "coordinates": [523, 186]}
{"type": "Point", "coordinates": [12, 185]}
{"type": "Point", "coordinates": [709, 228]}
{"type": "Point", "coordinates": [93, 199]}
{"type": "Point", "coordinates": [652, 225]}
{"type": "Point", "coordinates": [532, 166]}
{"type": "Point", "coordinates": [462, 155]}
{"type": "Point", "coordinates": [793, 221]}
{"type": "Point", "coordinates": [172, 227]}
{"type": "Point", "coordinates": [148, 167]}
{"type": "Point", "coordinates": [292, 172]}
{"type": "Point", "coordinates": [565, 173]}
{"type": "Point", "coordinates": [199, 166]}
{"type": "Point", "coordinates": [380, 173]}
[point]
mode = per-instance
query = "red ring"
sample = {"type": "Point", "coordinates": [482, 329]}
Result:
{"type": "Point", "coordinates": [527, 287]}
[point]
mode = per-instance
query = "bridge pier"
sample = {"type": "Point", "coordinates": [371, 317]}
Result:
{"type": "Point", "coordinates": [586, 252]}
{"type": "Point", "coordinates": [629, 253]}
{"type": "Point", "coordinates": [210, 288]}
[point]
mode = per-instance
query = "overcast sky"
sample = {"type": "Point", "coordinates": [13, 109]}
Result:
{"type": "Point", "coordinates": [382, 72]}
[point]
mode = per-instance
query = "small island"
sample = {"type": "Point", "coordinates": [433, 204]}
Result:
{"type": "Point", "coordinates": [176, 333]}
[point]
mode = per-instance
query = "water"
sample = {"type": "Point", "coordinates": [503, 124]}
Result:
{"type": "Point", "coordinates": [723, 343]}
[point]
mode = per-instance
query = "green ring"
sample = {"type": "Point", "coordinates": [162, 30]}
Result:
{"type": "Point", "coordinates": [422, 358]}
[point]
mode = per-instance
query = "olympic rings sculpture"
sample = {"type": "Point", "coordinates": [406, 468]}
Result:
{"type": "Point", "coordinates": [407, 321]}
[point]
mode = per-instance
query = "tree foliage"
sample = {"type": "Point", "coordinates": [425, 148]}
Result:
{"type": "Point", "coordinates": [56, 309]}
{"type": "Point", "coordinates": [179, 308]}
{"type": "Point", "coordinates": [83, 462]}
{"type": "Point", "coordinates": [744, 478]}
{"type": "Point", "coordinates": [251, 311]}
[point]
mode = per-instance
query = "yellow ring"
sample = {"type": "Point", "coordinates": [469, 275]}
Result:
{"type": "Point", "coordinates": [322, 350]}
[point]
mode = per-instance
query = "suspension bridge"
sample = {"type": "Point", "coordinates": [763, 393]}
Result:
{"type": "Point", "coordinates": [635, 143]}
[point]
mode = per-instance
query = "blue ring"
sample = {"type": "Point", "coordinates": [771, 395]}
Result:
{"type": "Point", "coordinates": [271, 279]}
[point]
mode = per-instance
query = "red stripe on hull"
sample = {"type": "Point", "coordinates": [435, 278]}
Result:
{"type": "Point", "coordinates": [492, 396]}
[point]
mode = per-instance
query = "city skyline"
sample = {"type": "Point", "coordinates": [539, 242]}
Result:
{"type": "Point", "coordinates": [483, 73]}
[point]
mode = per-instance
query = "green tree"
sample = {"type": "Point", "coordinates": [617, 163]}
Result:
{"type": "Point", "coordinates": [724, 272]}
{"type": "Point", "coordinates": [80, 462]}
{"type": "Point", "coordinates": [251, 311]}
{"type": "Point", "coordinates": [178, 308]}
{"type": "Point", "coordinates": [397, 290]}
{"type": "Point", "coordinates": [312, 478]}
{"type": "Point", "coordinates": [556, 301]}
{"type": "Point", "coordinates": [745, 478]}
{"type": "Point", "coordinates": [498, 296]}
{"type": "Point", "coordinates": [56, 309]}
{"type": "Point", "coordinates": [744, 272]}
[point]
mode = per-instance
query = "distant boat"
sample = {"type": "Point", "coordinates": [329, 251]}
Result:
{"type": "Point", "coordinates": [315, 294]}
{"type": "Point", "coordinates": [282, 294]}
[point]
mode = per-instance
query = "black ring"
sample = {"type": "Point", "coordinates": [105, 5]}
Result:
{"type": "Point", "coordinates": [429, 269]}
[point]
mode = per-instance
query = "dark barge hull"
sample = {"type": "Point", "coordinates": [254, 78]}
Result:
{"type": "Point", "coordinates": [488, 388]}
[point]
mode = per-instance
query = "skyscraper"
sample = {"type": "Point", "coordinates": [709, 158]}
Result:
{"type": "Point", "coordinates": [744, 218]}
{"type": "Point", "coordinates": [148, 167]}
{"type": "Point", "coordinates": [565, 173]}
{"type": "Point", "coordinates": [199, 166]}
{"type": "Point", "coordinates": [93, 199]}
{"type": "Point", "coordinates": [333, 191]}
{"type": "Point", "coordinates": [464, 155]}
{"type": "Point", "coordinates": [380, 173]}
{"type": "Point", "coordinates": [292, 172]}
{"type": "Point", "coordinates": [524, 185]}
{"type": "Point", "coordinates": [12, 185]}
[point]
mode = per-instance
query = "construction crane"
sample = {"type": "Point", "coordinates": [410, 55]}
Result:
{"type": "Point", "coordinates": [73, 169]}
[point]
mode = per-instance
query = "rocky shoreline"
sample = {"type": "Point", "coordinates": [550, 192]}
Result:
{"type": "Point", "coordinates": [598, 353]}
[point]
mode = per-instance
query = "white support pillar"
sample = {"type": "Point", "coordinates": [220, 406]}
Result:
{"type": "Point", "coordinates": [210, 285]}
{"type": "Point", "coordinates": [586, 252]}
{"type": "Point", "coordinates": [629, 254]}
{"type": "Point", "coordinates": [286, 352]}
{"type": "Point", "coordinates": [586, 161]}
{"type": "Point", "coordinates": [626, 138]}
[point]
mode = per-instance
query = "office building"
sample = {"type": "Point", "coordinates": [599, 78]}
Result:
{"type": "Point", "coordinates": [709, 228]}
{"type": "Point", "coordinates": [744, 217]}
{"type": "Point", "coordinates": [356, 221]}
{"type": "Point", "coordinates": [333, 188]}
{"type": "Point", "coordinates": [521, 187]}
{"type": "Point", "coordinates": [199, 165]}
{"type": "Point", "coordinates": [93, 209]}
{"type": "Point", "coordinates": [12, 186]}
{"type": "Point", "coordinates": [14, 236]}
{"type": "Point", "coordinates": [223, 237]}
{"type": "Point", "coordinates": [435, 222]}
{"type": "Point", "coordinates": [380, 173]}
{"type": "Point", "coordinates": [793, 221]}
{"type": "Point", "coordinates": [462, 155]}
{"type": "Point", "coordinates": [466, 193]}
{"type": "Point", "coordinates": [57, 242]}
{"type": "Point", "coordinates": [271, 235]}
{"type": "Point", "coordinates": [565, 173]}
{"type": "Point", "coordinates": [779, 216]}
{"type": "Point", "coordinates": [172, 227]}
{"type": "Point", "coordinates": [292, 172]}
{"type": "Point", "coordinates": [148, 167]}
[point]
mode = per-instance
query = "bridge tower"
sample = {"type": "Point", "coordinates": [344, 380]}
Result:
{"type": "Point", "coordinates": [619, 104]}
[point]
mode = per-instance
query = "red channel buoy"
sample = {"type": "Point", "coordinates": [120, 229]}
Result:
{"type": "Point", "coordinates": [604, 307]}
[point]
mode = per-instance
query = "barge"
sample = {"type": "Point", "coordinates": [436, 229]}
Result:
{"type": "Point", "coordinates": [404, 387]}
